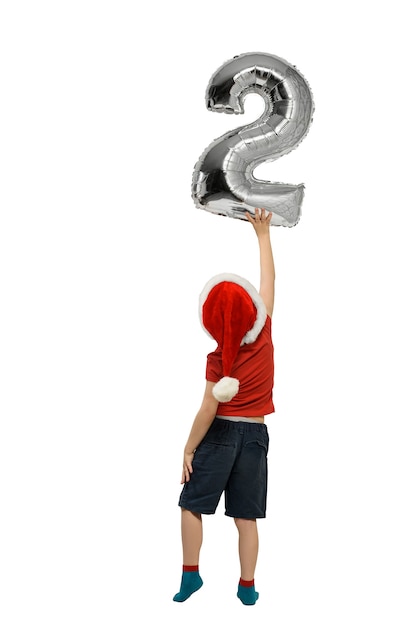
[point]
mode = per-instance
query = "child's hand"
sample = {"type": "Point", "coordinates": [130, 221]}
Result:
{"type": "Point", "coordinates": [187, 467]}
{"type": "Point", "coordinates": [261, 221]}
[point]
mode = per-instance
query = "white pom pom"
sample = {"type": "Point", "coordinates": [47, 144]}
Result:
{"type": "Point", "coordinates": [225, 389]}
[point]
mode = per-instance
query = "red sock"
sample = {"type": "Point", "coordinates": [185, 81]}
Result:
{"type": "Point", "coordinates": [190, 568]}
{"type": "Point", "coordinates": [247, 583]}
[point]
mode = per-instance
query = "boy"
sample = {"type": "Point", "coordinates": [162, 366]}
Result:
{"type": "Point", "coordinates": [227, 447]}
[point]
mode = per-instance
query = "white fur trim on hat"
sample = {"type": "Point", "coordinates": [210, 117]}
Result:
{"type": "Point", "coordinates": [226, 389]}
{"type": "Point", "coordinates": [253, 333]}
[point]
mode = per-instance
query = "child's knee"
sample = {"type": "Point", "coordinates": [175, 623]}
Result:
{"type": "Point", "coordinates": [243, 523]}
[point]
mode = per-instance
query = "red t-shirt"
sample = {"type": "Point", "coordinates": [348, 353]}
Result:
{"type": "Point", "coordinates": [254, 368]}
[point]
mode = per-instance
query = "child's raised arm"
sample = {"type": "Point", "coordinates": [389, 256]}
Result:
{"type": "Point", "coordinates": [261, 224]}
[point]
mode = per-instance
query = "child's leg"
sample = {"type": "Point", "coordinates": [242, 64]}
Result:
{"type": "Point", "coordinates": [248, 547]}
{"type": "Point", "coordinates": [248, 555]}
{"type": "Point", "coordinates": [192, 538]}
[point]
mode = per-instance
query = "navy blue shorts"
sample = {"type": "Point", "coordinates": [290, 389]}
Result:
{"type": "Point", "coordinates": [232, 458]}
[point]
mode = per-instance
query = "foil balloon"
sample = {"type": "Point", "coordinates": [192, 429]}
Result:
{"type": "Point", "coordinates": [223, 180]}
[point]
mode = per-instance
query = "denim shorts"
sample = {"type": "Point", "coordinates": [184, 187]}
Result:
{"type": "Point", "coordinates": [232, 458]}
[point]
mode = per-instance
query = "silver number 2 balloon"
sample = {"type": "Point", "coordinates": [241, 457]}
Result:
{"type": "Point", "coordinates": [223, 180]}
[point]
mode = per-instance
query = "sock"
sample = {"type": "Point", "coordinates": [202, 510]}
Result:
{"type": "Point", "coordinates": [191, 581]}
{"type": "Point", "coordinates": [246, 591]}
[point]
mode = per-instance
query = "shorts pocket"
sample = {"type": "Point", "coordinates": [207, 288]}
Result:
{"type": "Point", "coordinates": [259, 441]}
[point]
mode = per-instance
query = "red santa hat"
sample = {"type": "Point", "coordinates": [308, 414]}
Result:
{"type": "Point", "coordinates": [233, 313]}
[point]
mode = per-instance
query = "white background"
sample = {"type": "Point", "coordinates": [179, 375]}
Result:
{"type": "Point", "coordinates": [103, 256]}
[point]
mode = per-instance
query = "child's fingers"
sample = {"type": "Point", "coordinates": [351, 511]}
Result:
{"type": "Point", "coordinates": [187, 470]}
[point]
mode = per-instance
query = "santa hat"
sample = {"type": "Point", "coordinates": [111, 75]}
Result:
{"type": "Point", "coordinates": [233, 313]}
